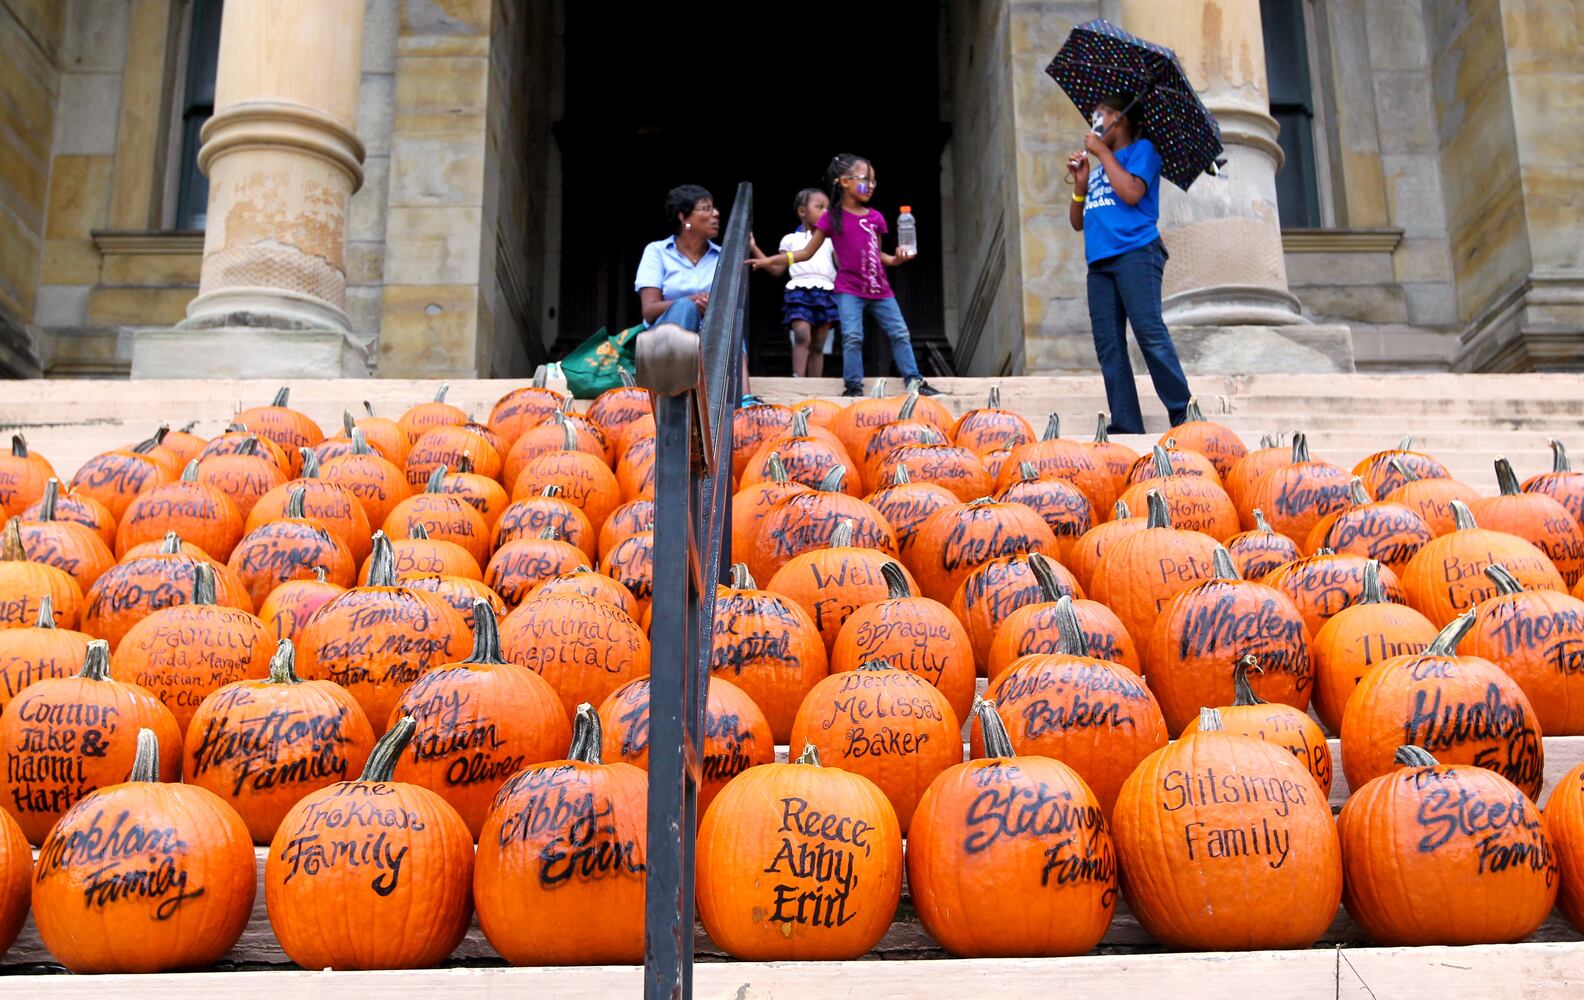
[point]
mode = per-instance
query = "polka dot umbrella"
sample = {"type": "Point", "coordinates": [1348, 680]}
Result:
{"type": "Point", "coordinates": [1099, 59]}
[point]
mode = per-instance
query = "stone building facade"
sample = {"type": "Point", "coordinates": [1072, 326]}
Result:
{"type": "Point", "coordinates": [302, 187]}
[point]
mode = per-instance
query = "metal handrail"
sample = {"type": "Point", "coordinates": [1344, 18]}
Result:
{"type": "Point", "coordinates": [695, 380]}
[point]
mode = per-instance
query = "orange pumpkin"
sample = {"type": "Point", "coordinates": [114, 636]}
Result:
{"type": "Point", "coordinates": [289, 548]}
{"type": "Point", "coordinates": [767, 819]}
{"type": "Point", "coordinates": [635, 470]}
{"type": "Point", "coordinates": [990, 428]}
{"type": "Point", "coordinates": [631, 564]}
{"type": "Point", "coordinates": [25, 584]}
{"type": "Point", "coordinates": [1181, 461]}
{"type": "Point", "coordinates": [1464, 708]}
{"type": "Point", "coordinates": [1561, 484]}
{"type": "Point", "coordinates": [197, 889]}
{"type": "Point", "coordinates": [431, 905]}
{"type": "Point", "coordinates": [1431, 499]}
{"type": "Point", "coordinates": [1067, 511]}
{"type": "Point", "coordinates": [16, 874]}
{"type": "Point", "coordinates": [528, 517]}
{"type": "Point", "coordinates": [520, 566]}
{"type": "Point", "coordinates": [1279, 725]}
{"type": "Point", "coordinates": [458, 591]}
{"type": "Point", "coordinates": [583, 580]}
{"type": "Point", "coordinates": [1564, 815]}
{"type": "Point", "coordinates": [904, 504]}
{"type": "Point", "coordinates": [1369, 631]}
{"type": "Point", "coordinates": [1084, 557]}
{"type": "Point", "coordinates": [1297, 495]}
{"type": "Point", "coordinates": [972, 844]}
{"type": "Point", "coordinates": [285, 612]}
{"type": "Point", "coordinates": [143, 584]}
{"type": "Point", "coordinates": [447, 447]}
{"type": "Point", "coordinates": [1053, 458]}
{"type": "Point", "coordinates": [616, 408]}
{"type": "Point", "coordinates": [1196, 503]}
{"type": "Point", "coordinates": [331, 504]}
{"type": "Point", "coordinates": [1323, 584]}
{"type": "Point", "coordinates": [955, 469]}
{"type": "Point", "coordinates": [199, 512]}
{"type": "Point", "coordinates": [1537, 638]}
{"type": "Point", "coordinates": [1537, 519]}
{"type": "Point", "coordinates": [1114, 460]}
{"type": "Point", "coordinates": [1384, 471]}
{"type": "Point", "coordinates": [371, 478]}
{"type": "Point", "coordinates": [1217, 442]}
{"type": "Point", "coordinates": [807, 454]}
{"type": "Point", "coordinates": [586, 482]}
{"type": "Point", "coordinates": [420, 555]}
{"type": "Point", "coordinates": [1032, 628]}
{"type": "Point", "coordinates": [853, 424]}
{"type": "Point", "coordinates": [585, 648]}
{"type": "Point", "coordinates": [116, 478]}
{"type": "Point", "coordinates": [383, 434]}
{"type": "Point", "coordinates": [543, 859]}
{"type": "Point", "coordinates": [238, 440]}
{"type": "Point", "coordinates": [956, 540]}
{"type": "Point", "coordinates": [833, 582]}
{"type": "Point", "coordinates": [753, 423]}
{"type": "Point", "coordinates": [377, 638]}
{"type": "Point", "coordinates": [34, 653]}
{"type": "Point", "coordinates": [736, 734]}
{"type": "Point", "coordinates": [806, 522]}
{"type": "Point", "coordinates": [480, 721]}
{"type": "Point", "coordinates": [180, 446]}
{"type": "Point", "coordinates": [1446, 577]}
{"type": "Point", "coordinates": [80, 509]}
{"type": "Point", "coordinates": [421, 418]}
{"type": "Point", "coordinates": [563, 431]}
{"type": "Point", "coordinates": [292, 430]}
{"type": "Point", "coordinates": [263, 744]}
{"type": "Point", "coordinates": [891, 726]}
{"type": "Point", "coordinates": [523, 408]}
{"type": "Point", "coordinates": [996, 589]}
{"type": "Point", "coordinates": [768, 646]}
{"type": "Point", "coordinates": [1211, 624]}
{"type": "Point", "coordinates": [444, 518]}
{"type": "Point", "coordinates": [914, 634]}
{"type": "Point", "coordinates": [902, 430]}
{"type": "Point", "coordinates": [1140, 573]}
{"type": "Point", "coordinates": [1247, 471]}
{"type": "Point", "coordinates": [482, 493]}
{"type": "Point", "coordinates": [23, 475]}
{"type": "Point", "coordinates": [186, 652]}
{"type": "Point", "coordinates": [68, 546]}
{"type": "Point", "coordinates": [1261, 550]}
{"type": "Point", "coordinates": [1093, 715]}
{"type": "Point", "coordinates": [1226, 843]}
{"type": "Point", "coordinates": [243, 475]}
{"type": "Point", "coordinates": [67, 736]}
{"type": "Point", "coordinates": [1425, 830]}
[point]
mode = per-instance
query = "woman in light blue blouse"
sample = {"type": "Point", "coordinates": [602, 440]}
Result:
{"type": "Point", "coordinates": [675, 274]}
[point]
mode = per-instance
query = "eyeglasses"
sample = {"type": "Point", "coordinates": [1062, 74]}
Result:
{"type": "Point", "coordinates": [862, 180]}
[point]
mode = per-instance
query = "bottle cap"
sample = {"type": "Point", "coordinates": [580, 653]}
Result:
{"type": "Point", "coordinates": [907, 208]}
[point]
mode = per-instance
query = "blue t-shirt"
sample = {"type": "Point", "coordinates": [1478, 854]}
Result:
{"type": "Point", "coordinates": [1112, 226]}
{"type": "Point", "coordinates": [665, 267]}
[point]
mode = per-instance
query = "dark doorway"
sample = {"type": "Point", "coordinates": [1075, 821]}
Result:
{"type": "Point", "coordinates": [714, 94]}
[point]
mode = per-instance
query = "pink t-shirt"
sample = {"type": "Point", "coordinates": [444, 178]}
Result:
{"type": "Point", "coordinates": [858, 268]}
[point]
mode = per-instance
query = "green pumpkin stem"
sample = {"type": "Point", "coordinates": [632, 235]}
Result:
{"type": "Point", "coordinates": [249, 446]}
{"type": "Point", "coordinates": [1221, 565]}
{"type": "Point", "coordinates": [190, 474]}
{"type": "Point", "coordinates": [800, 426]}
{"type": "Point", "coordinates": [296, 497]}
{"type": "Point", "coordinates": [283, 665]}
{"type": "Point", "coordinates": [1049, 587]}
{"type": "Point", "coordinates": [368, 407]}
{"type": "Point", "coordinates": [905, 411]}
{"type": "Point", "coordinates": [440, 393]}
{"type": "Point", "coordinates": [1242, 691]}
{"type": "Point", "coordinates": [319, 574]}
{"type": "Point", "coordinates": [1102, 435]}
{"type": "Point", "coordinates": [171, 544]}
{"type": "Point", "coordinates": [1506, 478]}
{"type": "Point", "coordinates": [360, 445]}
{"type": "Point", "coordinates": [1446, 641]}
{"type": "Point", "coordinates": [896, 581]}
{"type": "Point", "coordinates": [1192, 414]}
{"type": "Point", "coordinates": [1372, 592]}
{"type": "Point", "coordinates": [96, 661]}
{"type": "Point", "coordinates": [1462, 516]}
{"type": "Point", "coordinates": [550, 533]}
{"type": "Point", "coordinates": [1027, 473]}
{"type": "Point", "coordinates": [627, 380]}
{"type": "Point", "coordinates": [1260, 524]}
{"type": "Point", "coordinates": [1119, 510]}
{"type": "Point", "coordinates": [382, 760]}
{"type": "Point", "coordinates": [145, 764]}
{"type": "Point", "coordinates": [1412, 756]}
{"type": "Point", "coordinates": [11, 547]}
{"type": "Point", "coordinates": [742, 578]}
{"type": "Point", "coordinates": [203, 591]}
{"type": "Point", "coordinates": [810, 755]}
{"type": "Point", "coordinates": [149, 444]}
{"type": "Point", "coordinates": [842, 535]}
{"type": "Point", "coordinates": [347, 423]}
{"type": "Point", "coordinates": [382, 562]}
{"type": "Point", "coordinates": [878, 663]}
{"type": "Point", "coordinates": [19, 447]}
{"type": "Point", "coordinates": [775, 469]}
{"type": "Point", "coordinates": [281, 396]}
{"type": "Point", "coordinates": [418, 531]}
{"type": "Point", "coordinates": [1357, 495]}
{"type": "Point", "coordinates": [879, 389]}
{"type": "Point", "coordinates": [1559, 457]}
{"type": "Point", "coordinates": [1163, 466]}
{"type": "Point", "coordinates": [997, 741]}
{"type": "Point", "coordinates": [51, 498]}
{"type": "Point", "coordinates": [46, 615]}
{"type": "Point", "coordinates": [1052, 428]}
{"type": "Point", "coordinates": [550, 490]}
{"type": "Point", "coordinates": [832, 483]}
{"type": "Point", "coordinates": [587, 737]}
{"type": "Point", "coordinates": [1159, 513]}
{"type": "Point", "coordinates": [486, 635]}
{"type": "Point", "coordinates": [1401, 468]}
{"type": "Point", "coordinates": [310, 465]}
{"type": "Point", "coordinates": [1505, 582]}
{"type": "Point", "coordinates": [1210, 721]}
{"type": "Point", "coordinates": [437, 480]}
{"type": "Point", "coordinates": [900, 475]}
{"type": "Point", "coordinates": [1070, 639]}
{"type": "Point", "coordinates": [1406, 444]}
{"type": "Point", "coordinates": [1300, 448]}
{"type": "Point", "coordinates": [994, 402]}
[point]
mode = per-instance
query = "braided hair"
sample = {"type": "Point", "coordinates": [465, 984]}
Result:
{"type": "Point", "coordinates": [841, 165]}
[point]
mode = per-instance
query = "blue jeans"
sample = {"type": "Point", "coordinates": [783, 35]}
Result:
{"type": "Point", "coordinates": [851, 309]}
{"type": "Point", "coordinates": [683, 313]}
{"type": "Point", "coordinates": [1123, 288]}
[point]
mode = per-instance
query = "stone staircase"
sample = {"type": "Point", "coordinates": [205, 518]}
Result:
{"type": "Point", "coordinates": [1467, 421]}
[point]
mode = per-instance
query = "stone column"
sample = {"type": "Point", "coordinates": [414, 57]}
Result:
{"type": "Point", "coordinates": [1224, 236]}
{"type": "Point", "coordinates": [283, 160]}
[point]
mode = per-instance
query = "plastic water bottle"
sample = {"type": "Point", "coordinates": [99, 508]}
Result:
{"type": "Point", "coordinates": [907, 231]}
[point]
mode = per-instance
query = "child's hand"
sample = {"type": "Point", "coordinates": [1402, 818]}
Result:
{"type": "Point", "coordinates": [759, 263]}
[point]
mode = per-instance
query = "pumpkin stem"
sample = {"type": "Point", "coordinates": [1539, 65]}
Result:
{"type": "Point", "coordinates": [319, 574]}
{"type": "Point", "coordinates": [1260, 524]}
{"type": "Point", "coordinates": [1119, 510]}
{"type": "Point", "coordinates": [1028, 472]}
{"type": "Point", "coordinates": [1191, 412]}
{"type": "Point", "coordinates": [149, 444]}
{"type": "Point", "coordinates": [190, 474]}
{"type": "Point", "coordinates": [11, 547]}
{"type": "Point", "coordinates": [418, 531]}
{"type": "Point", "coordinates": [1406, 444]}
{"type": "Point", "coordinates": [742, 577]}
{"type": "Point", "coordinates": [1357, 495]}
{"type": "Point", "coordinates": [360, 445]}
{"type": "Point", "coordinates": [626, 377]}
{"type": "Point", "coordinates": [878, 663]}
{"type": "Point", "coordinates": [800, 426]}
{"type": "Point", "coordinates": [1372, 592]}
{"type": "Point", "coordinates": [1242, 691]}
{"type": "Point", "coordinates": [1402, 469]}
{"type": "Point", "coordinates": [249, 446]}
{"type": "Point", "coordinates": [437, 480]}
{"type": "Point", "coordinates": [464, 465]}
{"type": "Point", "coordinates": [1049, 587]}
{"type": "Point", "coordinates": [1163, 466]}
{"type": "Point", "coordinates": [1412, 756]}
{"type": "Point", "coordinates": [347, 423]}
{"type": "Point", "coordinates": [1052, 428]}
{"type": "Point", "coordinates": [203, 591]}
{"type": "Point", "coordinates": [900, 476]}
{"type": "Point", "coordinates": [1446, 641]}
{"type": "Point", "coordinates": [382, 759]}
{"type": "Point", "coordinates": [310, 466]}
{"type": "Point", "coordinates": [569, 439]}
{"type": "Point", "coordinates": [1070, 639]}
{"type": "Point", "coordinates": [294, 501]}
{"type": "Point", "coordinates": [1268, 441]}
{"type": "Point", "coordinates": [170, 545]}
{"type": "Point", "coordinates": [1462, 517]}
{"type": "Point", "coordinates": [96, 661]}
{"type": "Point", "coordinates": [994, 402]}
{"type": "Point", "coordinates": [810, 755]}
{"type": "Point", "coordinates": [368, 407]}
{"type": "Point", "coordinates": [51, 497]}
{"type": "Point", "coordinates": [541, 377]}
{"type": "Point", "coordinates": [896, 581]}
{"type": "Point", "coordinates": [551, 490]}
{"type": "Point", "coordinates": [832, 483]}
{"type": "Point", "coordinates": [549, 533]}
{"type": "Point", "coordinates": [1559, 457]}
{"type": "Point", "coordinates": [905, 411]}
{"type": "Point", "coordinates": [1159, 513]}
{"type": "Point", "coordinates": [46, 615]}
{"type": "Point", "coordinates": [1324, 550]}
{"type": "Point", "coordinates": [283, 665]}
{"type": "Point", "coordinates": [145, 764]}
{"type": "Point", "coordinates": [1101, 434]}
{"type": "Point", "coordinates": [997, 741]}
{"type": "Point", "coordinates": [1300, 451]}
{"type": "Point", "coordinates": [587, 737]}
{"type": "Point", "coordinates": [382, 562]}
{"type": "Point", "coordinates": [486, 635]}
{"type": "Point", "coordinates": [440, 393]}
{"type": "Point", "coordinates": [19, 448]}
{"type": "Point", "coordinates": [1505, 582]}
{"type": "Point", "coordinates": [1222, 566]}
{"type": "Point", "coordinates": [842, 536]}
{"type": "Point", "coordinates": [1506, 478]}
{"type": "Point", "coordinates": [878, 392]}
{"type": "Point", "coordinates": [1210, 721]}
{"type": "Point", "coordinates": [775, 468]}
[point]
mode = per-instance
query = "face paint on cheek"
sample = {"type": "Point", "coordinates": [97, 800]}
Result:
{"type": "Point", "coordinates": [862, 187]}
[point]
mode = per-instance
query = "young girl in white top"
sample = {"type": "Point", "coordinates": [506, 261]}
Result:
{"type": "Point", "coordinates": [808, 307]}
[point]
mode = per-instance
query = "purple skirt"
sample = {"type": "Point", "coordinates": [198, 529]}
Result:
{"type": "Point", "coordinates": [814, 306]}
